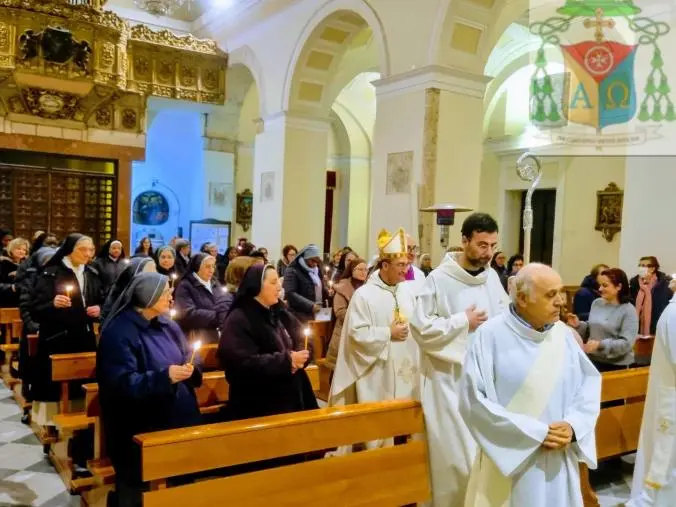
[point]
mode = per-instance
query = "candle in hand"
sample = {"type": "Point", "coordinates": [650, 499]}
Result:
{"type": "Point", "coordinates": [306, 332]}
{"type": "Point", "coordinates": [174, 276]}
{"type": "Point", "coordinates": [69, 289]}
{"type": "Point", "coordinates": [172, 313]}
{"type": "Point", "coordinates": [224, 290]}
{"type": "Point", "coordinates": [195, 347]}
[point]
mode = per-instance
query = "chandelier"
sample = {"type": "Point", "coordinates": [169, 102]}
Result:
{"type": "Point", "coordinates": [162, 7]}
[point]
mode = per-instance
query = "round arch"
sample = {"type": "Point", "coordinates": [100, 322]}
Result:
{"type": "Point", "coordinates": [244, 59]}
{"type": "Point", "coordinates": [333, 29]}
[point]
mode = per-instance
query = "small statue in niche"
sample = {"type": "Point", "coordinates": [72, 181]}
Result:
{"type": "Point", "coordinates": [28, 44]}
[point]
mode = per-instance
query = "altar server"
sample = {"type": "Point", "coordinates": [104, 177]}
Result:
{"type": "Point", "coordinates": [531, 398]}
{"type": "Point", "coordinates": [457, 298]}
{"type": "Point", "coordinates": [655, 471]}
{"type": "Point", "coordinates": [377, 359]}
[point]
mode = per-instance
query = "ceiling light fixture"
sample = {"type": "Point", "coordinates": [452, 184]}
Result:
{"type": "Point", "coordinates": [162, 7]}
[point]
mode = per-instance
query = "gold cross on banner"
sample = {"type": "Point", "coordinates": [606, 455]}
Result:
{"type": "Point", "coordinates": [599, 24]}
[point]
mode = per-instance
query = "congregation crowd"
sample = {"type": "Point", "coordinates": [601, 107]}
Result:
{"type": "Point", "coordinates": [503, 370]}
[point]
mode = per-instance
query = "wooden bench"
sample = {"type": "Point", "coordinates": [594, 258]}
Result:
{"type": "Point", "coordinates": [10, 346]}
{"type": "Point", "coordinates": [618, 428]}
{"type": "Point", "coordinates": [397, 475]}
{"type": "Point", "coordinates": [67, 368]}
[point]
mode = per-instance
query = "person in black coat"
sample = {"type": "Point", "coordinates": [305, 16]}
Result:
{"type": "Point", "coordinates": [146, 382]}
{"type": "Point", "coordinates": [262, 351]}
{"type": "Point", "coordinates": [66, 303]}
{"type": "Point", "coordinates": [182, 247]}
{"type": "Point", "coordinates": [144, 248]}
{"type": "Point", "coordinates": [304, 287]}
{"type": "Point", "coordinates": [135, 266]}
{"type": "Point", "coordinates": [9, 268]}
{"type": "Point", "coordinates": [587, 293]}
{"type": "Point", "coordinates": [110, 262]}
{"type": "Point", "coordinates": [201, 304]}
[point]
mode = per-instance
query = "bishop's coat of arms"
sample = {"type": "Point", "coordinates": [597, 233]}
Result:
{"type": "Point", "coordinates": [599, 87]}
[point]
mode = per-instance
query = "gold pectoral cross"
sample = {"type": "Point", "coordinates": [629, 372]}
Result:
{"type": "Point", "coordinates": [407, 371]}
{"type": "Point", "coordinates": [599, 24]}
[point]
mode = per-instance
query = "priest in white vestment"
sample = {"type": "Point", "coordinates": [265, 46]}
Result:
{"type": "Point", "coordinates": [531, 398]}
{"type": "Point", "coordinates": [377, 359]}
{"type": "Point", "coordinates": [458, 296]}
{"type": "Point", "coordinates": [655, 470]}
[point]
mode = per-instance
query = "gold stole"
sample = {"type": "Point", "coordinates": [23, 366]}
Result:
{"type": "Point", "coordinates": [487, 486]}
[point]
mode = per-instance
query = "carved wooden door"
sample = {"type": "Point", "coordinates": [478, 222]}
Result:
{"type": "Point", "coordinates": [57, 200]}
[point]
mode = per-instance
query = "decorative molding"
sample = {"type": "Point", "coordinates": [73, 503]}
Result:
{"type": "Point", "coordinates": [297, 121]}
{"type": "Point", "coordinates": [515, 145]}
{"type": "Point", "coordinates": [433, 76]}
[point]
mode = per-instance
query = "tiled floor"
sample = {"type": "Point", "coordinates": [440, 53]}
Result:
{"type": "Point", "coordinates": [26, 477]}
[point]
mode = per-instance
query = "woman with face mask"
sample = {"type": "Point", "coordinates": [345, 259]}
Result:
{"type": "Point", "coordinates": [650, 294]}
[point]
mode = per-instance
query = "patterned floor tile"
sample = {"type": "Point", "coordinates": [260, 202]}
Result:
{"type": "Point", "coordinates": [20, 456]}
{"type": "Point", "coordinates": [12, 431]}
{"type": "Point", "coordinates": [65, 499]}
{"type": "Point", "coordinates": [30, 488]}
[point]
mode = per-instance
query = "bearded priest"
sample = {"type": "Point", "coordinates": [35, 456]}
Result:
{"type": "Point", "coordinates": [377, 358]}
{"type": "Point", "coordinates": [530, 397]}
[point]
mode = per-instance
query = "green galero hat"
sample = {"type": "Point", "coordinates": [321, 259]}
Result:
{"type": "Point", "coordinates": [579, 8]}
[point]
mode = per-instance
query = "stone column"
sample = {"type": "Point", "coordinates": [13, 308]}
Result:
{"type": "Point", "coordinates": [648, 213]}
{"type": "Point", "coordinates": [428, 146]}
{"type": "Point", "coordinates": [290, 158]}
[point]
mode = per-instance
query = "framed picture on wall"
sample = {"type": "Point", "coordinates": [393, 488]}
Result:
{"type": "Point", "coordinates": [210, 231]}
{"type": "Point", "coordinates": [245, 209]}
{"type": "Point", "coordinates": [219, 194]}
{"type": "Point", "coordinates": [268, 187]}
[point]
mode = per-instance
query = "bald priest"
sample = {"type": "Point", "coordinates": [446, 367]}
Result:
{"type": "Point", "coordinates": [530, 397]}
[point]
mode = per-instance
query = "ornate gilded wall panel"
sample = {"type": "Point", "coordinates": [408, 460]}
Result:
{"type": "Point", "coordinates": [78, 63]}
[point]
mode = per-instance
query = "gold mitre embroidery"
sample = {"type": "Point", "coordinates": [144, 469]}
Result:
{"type": "Point", "coordinates": [392, 246]}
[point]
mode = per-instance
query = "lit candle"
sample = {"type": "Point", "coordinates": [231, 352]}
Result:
{"type": "Point", "coordinates": [125, 261]}
{"type": "Point", "coordinates": [330, 284]}
{"type": "Point", "coordinates": [306, 332]}
{"type": "Point", "coordinates": [172, 313]}
{"type": "Point", "coordinates": [195, 347]}
{"type": "Point", "coordinates": [224, 289]}
{"type": "Point", "coordinates": [174, 276]}
{"type": "Point", "coordinates": [69, 289]}
{"type": "Point", "coordinates": [326, 268]}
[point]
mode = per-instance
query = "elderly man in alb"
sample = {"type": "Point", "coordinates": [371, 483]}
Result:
{"type": "Point", "coordinates": [531, 397]}
{"type": "Point", "coordinates": [655, 470]}
{"type": "Point", "coordinates": [457, 298]}
{"type": "Point", "coordinates": [377, 359]}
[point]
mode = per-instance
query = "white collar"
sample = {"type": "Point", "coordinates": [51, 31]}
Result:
{"type": "Point", "coordinates": [207, 284]}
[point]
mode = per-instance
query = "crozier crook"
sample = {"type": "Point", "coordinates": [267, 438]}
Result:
{"type": "Point", "coordinates": [529, 169]}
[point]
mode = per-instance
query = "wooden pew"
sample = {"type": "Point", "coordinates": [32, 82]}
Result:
{"type": "Point", "coordinates": [397, 475]}
{"type": "Point", "coordinates": [10, 347]}
{"type": "Point", "coordinates": [618, 428]}
{"type": "Point", "coordinates": [67, 368]}
{"type": "Point", "coordinates": [211, 397]}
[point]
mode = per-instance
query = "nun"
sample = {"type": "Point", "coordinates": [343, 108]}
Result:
{"type": "Point", "coordinates": [165, 258]}
{"type": "Point", "coordinates": [262, 351]}
{"type": "Point", "coordinates": [201, 303]}
{"type": "Point", "coordinates": [135, 266]}
{"type": "Point", "coordinates": [146, 380]}
{"type": "Point", "coordinates": [66, 304]}
{"type": "Point", "coordinates": [109, 262]}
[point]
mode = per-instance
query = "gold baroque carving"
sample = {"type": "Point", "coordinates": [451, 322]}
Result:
{"type": "Point", "coordinates": [129, 119]}
{"type": "Point", "coordinates": [141, 66]}
{"type": "Point", "coordinates": [104, 116]}
{"type": "Point", "coordinates": [167, 38]}
{"type": "Point", "coordinates": [108, 54]}
{"type": "Point", "coordinates": [107, 19]}
{"type": "Point", "coordinates": [52, 105]}
{"type": "Point", "coordinates": [4, 37]}
{"type": "Point", "coordinates": [188, 76]}
{"type": "Point", "coordinates": [166, 71]}
{"type": "Point", "coordinates": [16, 105]}
{"type": "Point", "coordinates": [210, 79]}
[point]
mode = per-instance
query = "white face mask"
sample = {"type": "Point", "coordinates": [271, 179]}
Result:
{"type": "Point", "coordinates": [642, 271]}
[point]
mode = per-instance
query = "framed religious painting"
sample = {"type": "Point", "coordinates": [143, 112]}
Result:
{"type": "Point", "coordinates": [244, 209]}
{"type": "Point", "coordinates": [609, 211]}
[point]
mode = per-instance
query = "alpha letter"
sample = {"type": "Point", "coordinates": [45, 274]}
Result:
{"type": "Point", "coordinates": [580, 94]}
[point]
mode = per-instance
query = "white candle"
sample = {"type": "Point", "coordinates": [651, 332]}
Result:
{"type": "Point", "coordinates": [69, 289]}
{"type": "Point", "coordinates": [174, 276]}
{"type": "Point", "coordinates": [306, 332]}
{"type": "Point", "coordinates": [195, 347]}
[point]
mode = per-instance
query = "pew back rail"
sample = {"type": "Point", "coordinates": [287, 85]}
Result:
{"type": "Point", "coordinates": [395, 475]}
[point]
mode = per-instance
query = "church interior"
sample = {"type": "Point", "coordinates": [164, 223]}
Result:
{"type": "Point", "coordinates": [214, 136]}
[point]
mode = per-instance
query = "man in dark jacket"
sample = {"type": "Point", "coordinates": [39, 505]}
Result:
{"type": "Point", "coordinates": [304, 287]}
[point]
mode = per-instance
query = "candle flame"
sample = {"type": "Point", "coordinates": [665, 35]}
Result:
{"type": "Point", "coordinates": [174, 276]}
{"type": "Point", "coordinates": [172, 313]}
{"type": "Point", "coordinates": [196, 346]}
{"type": "Point", "coordinates": [224, 289]}
{"type": "Point", "coordinates": [69, 288]}
{"type": "Point", "coordinates": [126, 261]}
{"type": "Point", "coordinates": [306, 331]}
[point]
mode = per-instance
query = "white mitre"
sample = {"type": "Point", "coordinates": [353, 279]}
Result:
{"type": "Point", "coordinates": [392, 246]}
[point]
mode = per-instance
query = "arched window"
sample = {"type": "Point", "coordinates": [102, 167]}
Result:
{"type": "Point", "coordinates": [150, 208]}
